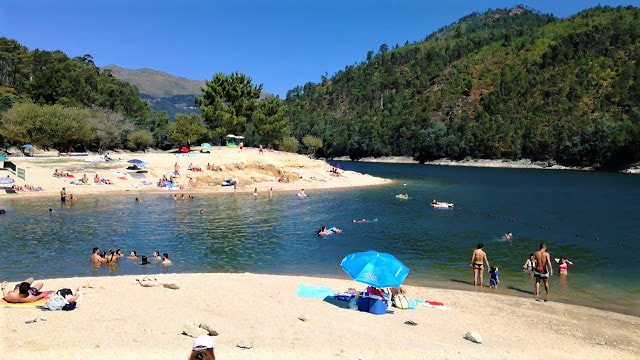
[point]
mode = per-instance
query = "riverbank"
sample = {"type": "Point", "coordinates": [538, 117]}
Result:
{"type": "Point", "coordinates": [251, 168]}
{"type": "Point", "coordinates": [120, 319]}
{"type": "Point", "coordinates": [492, 163]}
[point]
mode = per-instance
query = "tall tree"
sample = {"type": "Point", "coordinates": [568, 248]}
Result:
{"type": "Point", "coordinates": [188, 129]}
{"type": "Point", "coordinates": [271, 121]}
{"type": "Point", "coordinates": [227, 103]}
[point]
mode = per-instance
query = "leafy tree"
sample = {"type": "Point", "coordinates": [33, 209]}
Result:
{"type": "Point", "coordinates": [15, 64]}
{"type": "Point", "coordinates": [289, 144]}
{"type": "Point", "coordinates": [312, 143]}
{"type": "Point", "coordinates": [271, 120]}
{"type": "Point", "coordinates": [227, 103]}
{"type": "Point", "coordinates": [140, 140]}
{"type": "Point", "coordinates": [108, 127]}
{"type": "Point", "coordinates": [48, 126]}
{"type": "Point", "coordinates": [188, 129]}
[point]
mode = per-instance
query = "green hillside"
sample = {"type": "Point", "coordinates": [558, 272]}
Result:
{"type": "Point", "coordinates": [508, 83]}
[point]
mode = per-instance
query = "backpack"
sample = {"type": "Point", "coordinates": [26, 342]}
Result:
{"type": "Point", "coordinates": [56, 302]}
{"type": "Point", "coordinates": [400, 301]}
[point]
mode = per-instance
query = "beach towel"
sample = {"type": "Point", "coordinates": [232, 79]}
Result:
{"type": "Point", "coordinates": [138, 176]}
{"type": "Point", "coordinates": [314, 292]}
{"type": "Point", "coordinates": [119, 175]}
{"type": "Point", "coordinates": [433, 304]}
{"type": "Point", "coordinates": [40, 302]}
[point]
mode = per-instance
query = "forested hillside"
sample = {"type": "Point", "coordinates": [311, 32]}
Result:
{"type": "Point", "coordinates": [508, 83]}
{"type": "Point", "coordinates": [54, 101]}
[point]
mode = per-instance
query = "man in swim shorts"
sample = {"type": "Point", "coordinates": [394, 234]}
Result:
{"type": "Point", "coordinates": [23, 292]}
{"type": "Point", "coordinates": [543, 268]}
{"type": "Point", "coordinates": [63, 196]}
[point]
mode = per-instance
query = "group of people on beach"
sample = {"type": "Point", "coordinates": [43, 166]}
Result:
{"type": "Point", "coordinates": [101, 257]}
{"type": "Point", "coordinates": [538, 263]}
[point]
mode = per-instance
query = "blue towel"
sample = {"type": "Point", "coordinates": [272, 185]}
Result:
{"type": "Point", "coordinates": [412, 304]}
{"type": "Point", "coordinates": [314, 292]}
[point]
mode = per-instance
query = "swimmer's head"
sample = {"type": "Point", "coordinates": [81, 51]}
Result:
{"type": "Point", "coordinates": [133, 254]}
{"type": "Point", "coordinates": [165, 256]}
{"type": "Point", "coordinates": [95, 250]}
{"type": "Point", "coordinates": [480, 245]}
{"type": "Point", "coordinates": [543, 246]}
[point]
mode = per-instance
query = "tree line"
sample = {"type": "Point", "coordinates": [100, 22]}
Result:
{"type": "Point", "coordinates": [56, 102]}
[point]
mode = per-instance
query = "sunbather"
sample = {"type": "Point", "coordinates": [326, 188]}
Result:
{"type": "Point", "coordinates": [23, 292]}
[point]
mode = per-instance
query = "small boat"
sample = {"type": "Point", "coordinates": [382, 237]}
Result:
{"type": "Point", "coordinates": [441, 205]}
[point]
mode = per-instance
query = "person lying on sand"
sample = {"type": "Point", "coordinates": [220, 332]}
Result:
{"type": "Point", "coordinates": [23, 292]}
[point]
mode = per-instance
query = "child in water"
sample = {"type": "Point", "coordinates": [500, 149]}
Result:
{"type": "Point", "coordinates": [493, 282]}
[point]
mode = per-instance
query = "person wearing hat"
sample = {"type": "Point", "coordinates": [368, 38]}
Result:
{"type": "Point", "coordinates": [202, 348]}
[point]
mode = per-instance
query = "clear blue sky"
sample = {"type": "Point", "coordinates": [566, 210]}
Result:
{"type": "Point", "coordinates": [278, 43]}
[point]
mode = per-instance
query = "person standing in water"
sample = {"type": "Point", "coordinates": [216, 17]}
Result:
{"type": "Point", "coordinates": [270, 192]}
{"type": "Point", "coordinates": [563, 265]}
{"type": "Point", "coordinates": [543, 268]}
{"type": "Point", "coordinates": [530, 263]}
{"type": "Point", "coordinates": [63, 196]}
{"type": "Point", "coordinates": [478, 258]}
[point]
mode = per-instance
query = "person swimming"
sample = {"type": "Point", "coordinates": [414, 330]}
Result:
{"type": "Point", "coordinates": [144, 260]}
{"type": "Point", "coordinates": [301, 193]}
{"type": "Point", "coordinates": [324, 231]}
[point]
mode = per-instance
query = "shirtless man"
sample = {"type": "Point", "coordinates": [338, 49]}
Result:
{"type": "Point", "coordinates": [23, 292]}
{"type": "Point", "coordinates": [478, 258]}
{"type": "Point", "coordinates": [96, 258]}
{"type": "Point", "coordinates": [543, 268]}
{"type": "Point", "coordinates": [165, 259]}
{"type": "Point", "coordinates": [63, 196]}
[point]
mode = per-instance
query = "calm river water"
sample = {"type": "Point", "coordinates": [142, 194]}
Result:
{"type": "Point", "coordinates": [590, 217]}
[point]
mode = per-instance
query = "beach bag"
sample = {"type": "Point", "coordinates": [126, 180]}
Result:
{"type": "Point", "coordinates": [64, 292]}
{"type": "Point", "coordinates": [56, 302]}
{"type": "Point", "coordinates": [400, 301]}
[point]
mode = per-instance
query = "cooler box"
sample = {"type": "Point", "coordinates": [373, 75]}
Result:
{"type": "Point", "coordinates": [377, 306]}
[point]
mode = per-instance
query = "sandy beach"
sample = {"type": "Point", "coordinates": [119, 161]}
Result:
{"type": "Point", "coordinates": [249, 167]}
{"type": "Point", "coordinates": [119, 319]}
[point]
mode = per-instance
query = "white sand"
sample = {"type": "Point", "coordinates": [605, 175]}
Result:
{"type": "Point", "coordinates": [249, 167]}
{"type": "Point", "coordinates": [119, 319]}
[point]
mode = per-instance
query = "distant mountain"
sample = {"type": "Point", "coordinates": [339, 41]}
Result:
{"type": "Point", "coordinates": [163, 91]}
{"type": "Point", "coordinates": [156, 83]}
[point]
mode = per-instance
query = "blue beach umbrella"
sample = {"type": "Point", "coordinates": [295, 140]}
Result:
{"type": "Point", "coordinates": [374, 268]}
{"type": "Point", "coordinates": [3, 158]}
{"type": "Point", "coordinates": [6, 180]}
{"type": "Point", "coordinates": [27, 146]}
{"type": "Point", "coordinates": [135, 161]}
{"type": "Point", "coordinates": [206, 145]}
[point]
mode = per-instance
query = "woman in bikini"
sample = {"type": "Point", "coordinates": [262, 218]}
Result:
{"type": "Point", "coordinates": [563, 265]}
{"type": "Point", "coordinates": [478, 258]}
